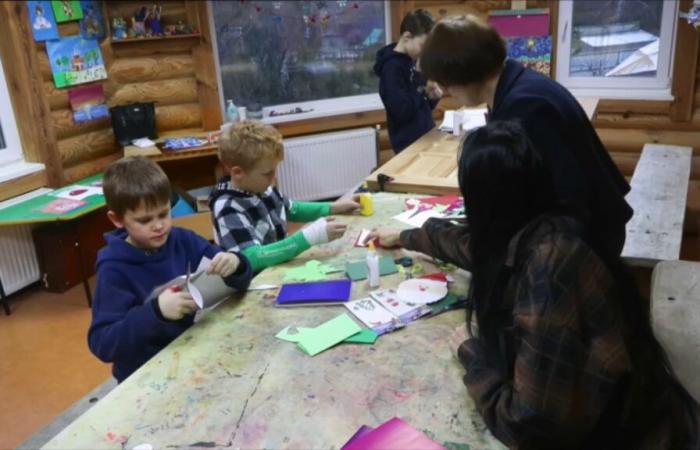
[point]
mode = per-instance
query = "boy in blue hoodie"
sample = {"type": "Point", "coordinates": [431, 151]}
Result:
{"type": "Point", "coordinates": [144, 252]}
{"type": "Point", "coordinates": [407, 98]}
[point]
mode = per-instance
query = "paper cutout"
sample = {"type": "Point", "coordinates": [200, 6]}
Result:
{"type": "Point", "coordinates": [450, 301]}
{"type": "Point", "coordinates": [471, 119]}
{"type": "Point", "coordinates": [62, 205]}
{"type": "Point", "coordinates": [404, 310]}
{"type": "Point", "coordinates": [75, 60]}
{"type": "Point", "coordinates": [314, 293]}
{"type": "Point", "coordinates": [364, 429]}
{"type": "Point", "coordinates": [366, 336]}
{"type": "Point", "coordinates": [42, 21]}
{"type": "Point", "coordinates": [362, 239]}
{"type": "Point", "coordinates": [394, 433]}
{"type": "Point", "coordinates": [417, 220]}
{"type": "Point", "coordinates": [77, 192]}
{"type": "Point", "coordinates": [311, 271]}
{"type": "Point", "coordinates": [421, 290]}
{"type": "Point", "coordinates": [67, 10]}
{"type": "Point", "coordinates": [328, 334]}
{"type": "Point", "coordinates": [358, 270]}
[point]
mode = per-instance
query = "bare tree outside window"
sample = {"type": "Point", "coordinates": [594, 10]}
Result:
{"type": "Point", "coordinates": [280, 52]}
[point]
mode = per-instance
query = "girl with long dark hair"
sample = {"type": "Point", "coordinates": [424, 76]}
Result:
{"type": "Point", "coordinates": [564, 356]}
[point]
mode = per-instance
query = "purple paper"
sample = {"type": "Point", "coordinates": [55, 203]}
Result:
{"type": "Point", "coordinates": [364, 429]}
{"type": "Point", "coordinates": [394, 433]}
{"type": "Point", "coordinates": [333, 291]}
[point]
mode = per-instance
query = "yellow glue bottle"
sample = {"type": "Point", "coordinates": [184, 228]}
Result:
{"type": "Point", "coordinates": [366, 207]}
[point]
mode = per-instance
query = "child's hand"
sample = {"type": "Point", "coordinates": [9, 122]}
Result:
{"type": "Point", "coordinates": [175, 304]}
{"type": "Point", "coordinates": [387, 237]}
{"type": "Point", "coordinates": [334, 230]}
{"type": "Point", "coordinates": [432, 90]}
{"type": "Point", "coordinates": [223, 264]}
{"type": "Point", "coordinates": [346, 206]}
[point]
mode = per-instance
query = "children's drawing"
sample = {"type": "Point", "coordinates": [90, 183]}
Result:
{"type": "Point", "coordinates": [92, 25]}
{"type": "Point", "coordinates": [75, 60]}
{"type": "Point", "coordinates": [88, 103]}
{"type": "Point", "coordinates": [534, 52]}
{"type": "Point", "coordinates": [62, 205]}
{"type": "Point", "coordinates": [67, 10]}
{"type": "Point", "coordinates": [42, 21]}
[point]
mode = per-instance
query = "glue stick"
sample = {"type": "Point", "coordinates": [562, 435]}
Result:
{"type": "Point", "coordinates": [372, 266]}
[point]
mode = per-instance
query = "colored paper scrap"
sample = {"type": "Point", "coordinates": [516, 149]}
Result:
{"type": "Point", "coordinates": [328, 334]}
{"type": "Point", "coordinates": [311, 271]}
{"type": "Point", "coordinates": [291, 333]}
{"type": "Point", "coordinates": [366, 336]}
{"type": "Point", "coordinates": [394, 433]}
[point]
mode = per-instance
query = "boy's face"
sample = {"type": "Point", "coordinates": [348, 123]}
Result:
{"type": "Point", "coordinates": [258, 178]}
{"type": "Point", "coordinates": [414, 45]}
{"type": "Point", "coordinates": [148, 228]}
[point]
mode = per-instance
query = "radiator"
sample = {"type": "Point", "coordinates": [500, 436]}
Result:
{"type": "Point", "coordinates": [326, 165]}
{"type": "Point", "coordinates": [18, 263]}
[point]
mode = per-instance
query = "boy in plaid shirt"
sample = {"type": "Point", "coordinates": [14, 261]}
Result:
{"type": "Point", "coordinates": [249, 213]}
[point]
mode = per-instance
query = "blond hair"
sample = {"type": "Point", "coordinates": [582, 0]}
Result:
{"type": "Point", "coordinates": [247, 142]}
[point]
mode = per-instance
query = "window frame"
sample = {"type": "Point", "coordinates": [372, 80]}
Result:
{"type": "Point", "coordinates": [12, 153]}
{"type": "Point", "coordinates": [657, 88]}
{"type": "Point", "coordinates": [321, 107]}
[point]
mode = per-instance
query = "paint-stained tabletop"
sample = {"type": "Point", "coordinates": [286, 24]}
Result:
{"type": "Point", "coordinates": [229, 383]}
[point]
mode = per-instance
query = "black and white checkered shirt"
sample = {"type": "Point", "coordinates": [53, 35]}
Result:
{"type": "Point", "coordinates": [242, 219]}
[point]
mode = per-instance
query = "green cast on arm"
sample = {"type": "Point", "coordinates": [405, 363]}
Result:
{"type": "Point", "coordinates": [308, 211]}
{"type": "Point", "coordinates": [263, 256]}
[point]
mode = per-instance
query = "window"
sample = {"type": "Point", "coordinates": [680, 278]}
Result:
{"type": "Point", "coordinates": [10, 149]}
{"type": "Point", "coordinates": [12, 163]}
{"type": "Point", "coordinates": [617, 48]}
{"type": "Point", "coordinates": [283, 55]}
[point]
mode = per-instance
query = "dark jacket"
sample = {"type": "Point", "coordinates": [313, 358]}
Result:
{"type": "Point", "coordinates": [588, 182]}
{"type": "Point", "coordinates": [559, 377]}
{"type": "Point", "coordinates": [409, 112]}
{"type": "Point", "coordinates": [127, 328]}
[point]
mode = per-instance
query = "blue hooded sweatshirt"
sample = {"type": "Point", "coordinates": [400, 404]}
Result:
{"type": "Point", "coordinates": [409, 112]}
{"type": "Point", "coordinates": [126, 329]}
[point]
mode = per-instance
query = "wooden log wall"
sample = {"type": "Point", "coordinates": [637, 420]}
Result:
{"type": "Point", "coordinates": [161, 71]}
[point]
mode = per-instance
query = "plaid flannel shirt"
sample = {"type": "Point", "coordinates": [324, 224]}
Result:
{"type": "Point", "coordinates": [565, 358]}
{"type": "Point", "coordinates": [243, 219]}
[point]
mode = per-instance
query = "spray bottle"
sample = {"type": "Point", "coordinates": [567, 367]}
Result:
{"type": "Point", "coordinates": [372, 266]}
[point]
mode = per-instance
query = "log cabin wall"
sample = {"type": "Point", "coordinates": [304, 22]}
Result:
{"type": "Point", "coordinates": [175, 73]}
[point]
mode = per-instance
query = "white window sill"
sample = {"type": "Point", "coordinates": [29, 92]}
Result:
{"type": "Point", "coordinates": [24, 197]}
{"type": "Point", "coordinates": [18, 169]}
{"type": "Point", "coordinates": [624, 94]}
{"type": "Point", "coordinates": [324, 108]}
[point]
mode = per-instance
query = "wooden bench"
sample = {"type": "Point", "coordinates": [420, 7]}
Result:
{"type": "Point", "coordinates": [658, 197]}
{"type": "Point", "coordinates": [675, 296]}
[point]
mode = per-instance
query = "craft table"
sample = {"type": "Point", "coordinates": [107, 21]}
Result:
{"type": "Point", "coordinates": [228, 382]}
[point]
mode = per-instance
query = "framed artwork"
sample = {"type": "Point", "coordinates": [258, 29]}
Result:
{"type": "Point", "coordinates": [42, 21]}
{"type": "Point", "coordinates": [67, 10]}
{"type": "Point", "coordinates": [75, 60]}
{"type": "Point", "coordinates": [92, 25]}
{"type": "Point", "coordinates": [88, 103]}
{"type": "Point", "coordinates": [534, 52]}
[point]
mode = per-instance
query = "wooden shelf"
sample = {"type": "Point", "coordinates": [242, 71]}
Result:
{"type": "Point", "coordinates": [155, 38]}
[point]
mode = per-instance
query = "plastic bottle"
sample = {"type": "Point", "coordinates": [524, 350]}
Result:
{"type": "Point", "coordinates": [366, 206]}
{"type": "Point", "coordinates": [372, 266]}
{"type": "Point", "coordinates": [231, 111]}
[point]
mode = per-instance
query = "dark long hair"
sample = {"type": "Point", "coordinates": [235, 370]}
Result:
{"type": "Point", "coordinates": [506, 184]}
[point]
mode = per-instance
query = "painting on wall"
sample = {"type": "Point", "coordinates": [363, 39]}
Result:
{"type": "Point", "coordinates": [88, 103]}
{"type": "Point", "coordinates": [92, 25]}
{"type": "Point", "coordinates": [534, 52]}
{"type": "Point", "coordinates": [67, 10]}
{"type": "Point", "coordinates": [42, 21]}
{"type": "Point", "coordinates": [75, 60]}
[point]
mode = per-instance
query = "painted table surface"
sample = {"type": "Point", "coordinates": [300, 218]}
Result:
{"type": "Point", "coordinates": [228, 382]}
{"type": "Point", "coordinates": [29, 211]}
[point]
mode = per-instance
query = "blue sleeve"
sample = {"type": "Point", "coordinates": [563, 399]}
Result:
{"type": "Point", "coordinates": [401, 99]}
{"type": "Point", "coordinates": [121, 322]}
